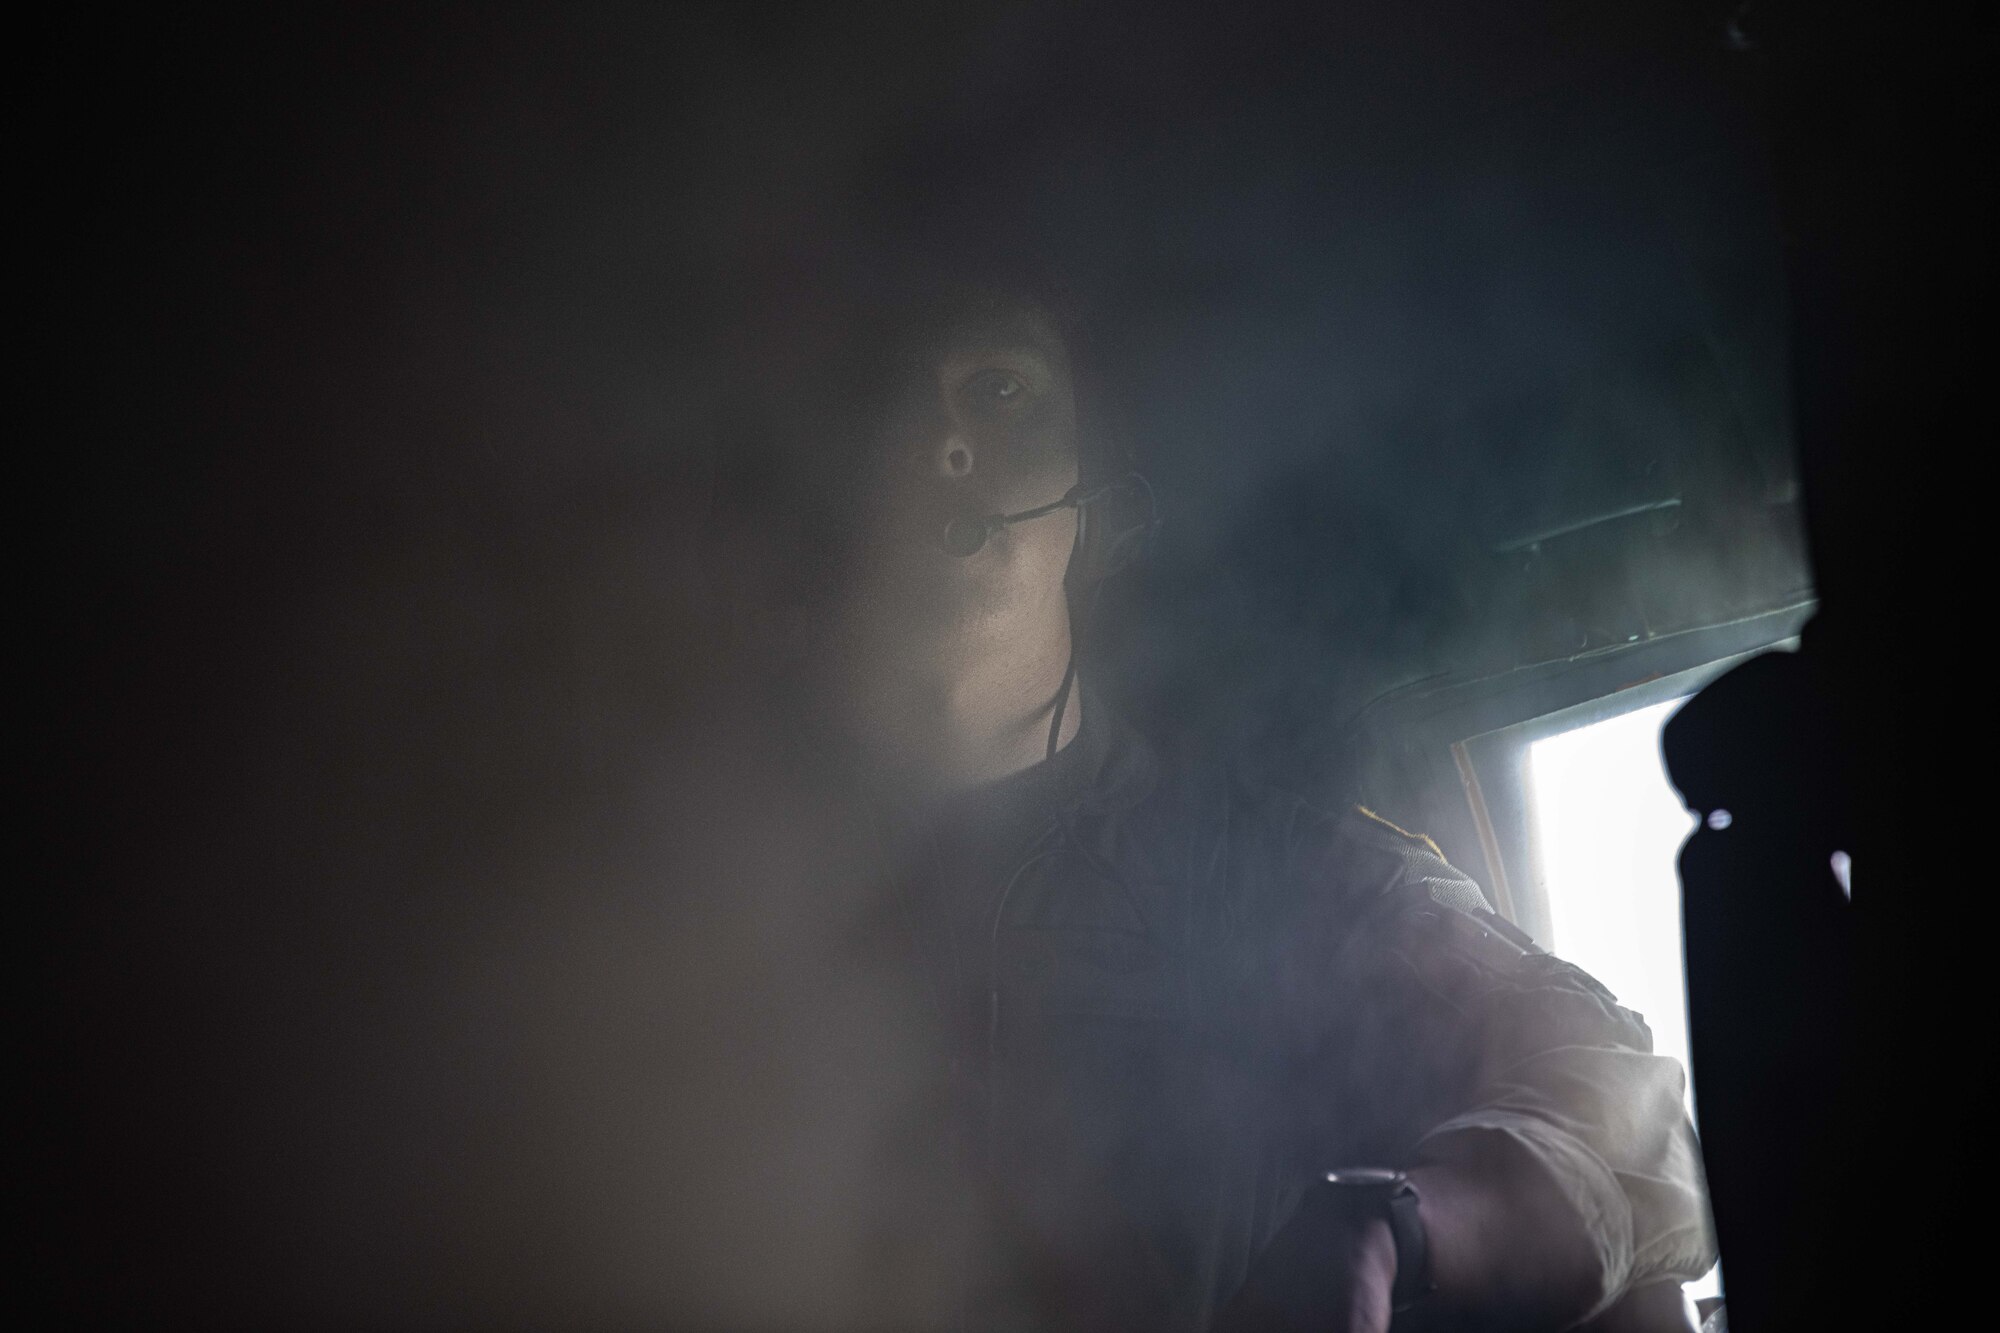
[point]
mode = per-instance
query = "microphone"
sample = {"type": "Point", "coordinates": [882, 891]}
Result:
{"type": "Point", "coordinates": [965, 536]}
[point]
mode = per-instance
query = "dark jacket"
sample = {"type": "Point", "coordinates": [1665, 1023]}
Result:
{"type": "Point", "coordinates": [1197, 993]}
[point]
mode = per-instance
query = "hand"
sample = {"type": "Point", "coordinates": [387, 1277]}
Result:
{"type": "Point", "coordinates": [1328, 1270]}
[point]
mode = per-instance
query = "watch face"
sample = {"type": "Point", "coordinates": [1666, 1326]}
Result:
{"type": "Point", "coordinates": [1364, 1176]}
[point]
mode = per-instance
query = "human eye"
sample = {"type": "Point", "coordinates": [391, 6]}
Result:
{"type": "Point", "coordinates": [995, 392]}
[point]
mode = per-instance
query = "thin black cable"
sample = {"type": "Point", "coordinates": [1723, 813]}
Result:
{"type": "Point", "coordinates": [1065, 821]}
{"type": "Point", "coordinates": [1042, 847]}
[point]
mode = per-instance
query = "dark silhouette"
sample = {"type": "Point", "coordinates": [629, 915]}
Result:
{"type": "Point", "coordinates": [1792, 988]}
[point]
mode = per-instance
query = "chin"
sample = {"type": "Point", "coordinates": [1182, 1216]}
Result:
{"type": "Point", "coordinates": [937, 628]}
{"type": "Point", "coordinates": [925, 606]}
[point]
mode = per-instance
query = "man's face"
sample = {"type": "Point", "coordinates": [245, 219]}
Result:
{"type": "Point", "coordinates": [980, 420]}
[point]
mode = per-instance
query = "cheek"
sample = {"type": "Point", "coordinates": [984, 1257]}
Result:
{"type": "Point", "coordinates": [1036, 554]}
{"type": "Point", "coordinates": [1033, 468]}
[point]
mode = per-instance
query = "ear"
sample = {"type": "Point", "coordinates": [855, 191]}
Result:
{"type": "Point", "coordinates": [1116, 528]}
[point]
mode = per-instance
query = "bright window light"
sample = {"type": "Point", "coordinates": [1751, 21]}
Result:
{"type": "Point", "coordinates": [1609, 827]}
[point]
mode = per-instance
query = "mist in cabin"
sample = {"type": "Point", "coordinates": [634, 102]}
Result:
{"type": "Point", "coordinates": [448, 922]}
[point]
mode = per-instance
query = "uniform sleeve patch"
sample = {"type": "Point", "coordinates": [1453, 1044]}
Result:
{"type": "Point", "coordinates": [1423, 838]}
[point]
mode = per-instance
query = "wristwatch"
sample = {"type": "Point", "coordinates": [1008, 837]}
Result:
{"type": "Point", "coordinates": [1388, 1194]}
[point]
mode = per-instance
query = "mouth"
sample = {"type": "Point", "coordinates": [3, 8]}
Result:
{"type": "Point", "coordinates": [964, 535]}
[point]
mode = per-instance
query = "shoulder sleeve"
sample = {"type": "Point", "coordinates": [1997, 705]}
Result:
{"type": "Point", "coordinates": [1422, 1014]}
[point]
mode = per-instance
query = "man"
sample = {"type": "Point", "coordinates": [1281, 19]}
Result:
{"type": "Point", "coordinates": [1169, 1004]}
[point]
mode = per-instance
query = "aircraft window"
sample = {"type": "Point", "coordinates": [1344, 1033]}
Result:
{"type": "Point", "coordinates": [1607, 829]}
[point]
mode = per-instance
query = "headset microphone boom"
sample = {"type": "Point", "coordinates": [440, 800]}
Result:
{"type": "Point", "coordinates": [965, 535]}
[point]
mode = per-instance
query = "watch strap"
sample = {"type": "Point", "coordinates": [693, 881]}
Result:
{"type": "Point", "coordinates": [1413, 1249]}
{"type": "Point", "coordinates": [1390, 1195]}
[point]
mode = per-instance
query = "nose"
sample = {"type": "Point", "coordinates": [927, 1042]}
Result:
{"type": "Point", "coordinates": [952, 457]}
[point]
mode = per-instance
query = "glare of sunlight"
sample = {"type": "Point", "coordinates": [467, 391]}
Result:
{"type": "Point", "coordinates": [1609, 827]}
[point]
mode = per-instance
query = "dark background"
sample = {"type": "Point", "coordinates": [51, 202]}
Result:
{"type": "Point", "coordinates": [384, 614]}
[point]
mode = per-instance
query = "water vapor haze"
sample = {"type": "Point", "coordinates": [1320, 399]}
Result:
{"type": "Point", "coordinates": [444, 926]}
